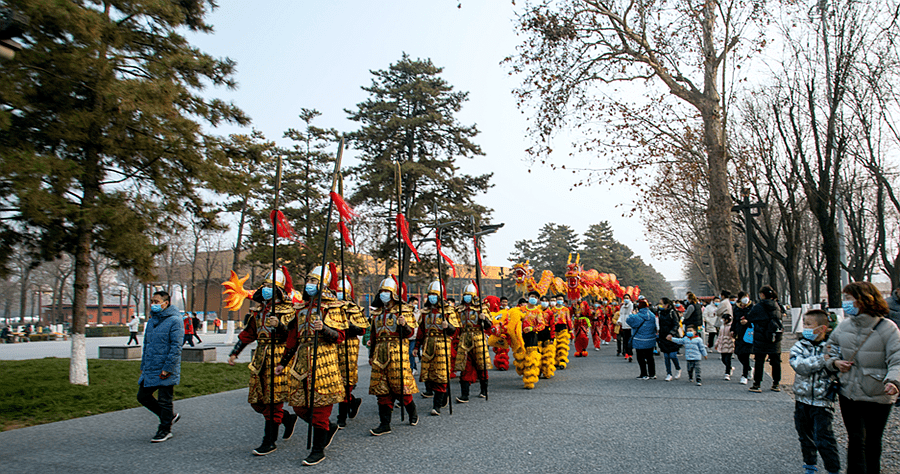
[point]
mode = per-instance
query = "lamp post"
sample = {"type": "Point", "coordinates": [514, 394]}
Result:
{"type": "Point", "coordinates": [748, 209]}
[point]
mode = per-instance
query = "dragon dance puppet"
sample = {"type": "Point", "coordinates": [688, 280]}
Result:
{"type": "Point", "coordinates": [472, 360]}
{"type": "Point", "coordinates": [269, 329]}
{"type": "Point", "coordinates": [392, 380]}
{"type": "Point", "coordinates": [315, 377]}
{"type": "Point", "coordinates": [437, 324]}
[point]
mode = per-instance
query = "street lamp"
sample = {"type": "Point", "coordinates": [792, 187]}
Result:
{"type": "Point", "coordinates": [12, 24]}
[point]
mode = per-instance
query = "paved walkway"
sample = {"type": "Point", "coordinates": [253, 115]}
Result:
{"type": "Point", "coordinates": [593, 417]}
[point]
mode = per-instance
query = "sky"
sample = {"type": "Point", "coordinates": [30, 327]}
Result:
{"type": "Point", "coordinates": [309, 54]}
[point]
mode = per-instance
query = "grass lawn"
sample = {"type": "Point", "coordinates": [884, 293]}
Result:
{"type": "Point", "coordinates": [33, 392]}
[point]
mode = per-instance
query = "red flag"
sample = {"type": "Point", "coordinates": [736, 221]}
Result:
{"type": "Point", "coordinates": [282, 226]}
{"type": "Point", "coordinates": [347, 213]}
{"type": "Point", "coordinates": [478, 255]}
{"type": "Point", "coordinates": [403, 228]}
{"type": "Point", "coordinates": [345, 234]}
{"type": "Point", "coordinates": [446, 258]}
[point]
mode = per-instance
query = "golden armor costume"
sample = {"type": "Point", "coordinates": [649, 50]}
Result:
{"type": "Point", "coordinates": [437, 324]}
{"type": "Point", "coordinates": [472, 359]}
{"type": "Point", "coordinates": [348, 350]}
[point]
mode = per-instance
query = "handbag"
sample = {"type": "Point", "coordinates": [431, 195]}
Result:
{"type": "Point", "coordinates": [748, 335]}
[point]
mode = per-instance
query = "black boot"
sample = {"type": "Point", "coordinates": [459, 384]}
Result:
{"type": "Point", "coordinates": [321, 439]}
{"type": "Point", "coordinates": [268, 442]}
{"type": "Point", "coordinates": [437, 403]}
{"type": "Point", "coordinates": [354, 407]}
{"type": "Point", "coordinates": [288, 422]}
{"type": "Point", "coordinates": [464, 392]}
{"type": "Point", "coordinates": [484, 385]}
{"type": "Point", "coordinates": [413, 413]}
{"type": "Point", "coordinates": [384, 414]}
{"type": "Point", "coordinates": [343, 411]}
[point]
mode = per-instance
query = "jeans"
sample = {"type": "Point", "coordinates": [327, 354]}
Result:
{"type": "Point", "coordinates": [774, 361]}
{"type": "Point", "coordinates": [865, 422]}
{"type": "Point", "coordinates": [625, 336]}
{"type": "Point", "coordinates": [188, 339]}
{"type": "Point", "coordinates": [646, 362]}
{"type": "Point", "coordinates": [133, 338]}
{"type": "Point", "coordinates": [745, 364]}
{"type": "Point", "coordinates": [693, 365]}
{"type": "Point", "coordinates": [671, 358]}
{"type": "Point", "coordinates": [160, 406]}
{"type": "Point", "coordinates": [814, 428]}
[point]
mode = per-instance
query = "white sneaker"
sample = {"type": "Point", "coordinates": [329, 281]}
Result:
{"type": "Point", "coordinates": [727, 376]}
{"type": "Point", "coordinates": [744, 380]}
{"type": "Point", "coordinates": [669, 378]}
{"type": "Point", "coordinates": [596, 348]}
{"type": "Point", "coordinates": [678, 374]}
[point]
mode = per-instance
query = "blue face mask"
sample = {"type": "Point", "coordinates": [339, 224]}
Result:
{"type": "Point", "coordinates": [267, 292]}
{"type": "Point", "coordinates": [717, 304]}
{"type": "Point", "coordinates": [532, 301]}
{"type": "Point", "coordinates": [689, 334]}
{"type": "Point", "coordinates": [155, 308]}
{"type": "Point", "coordinates": [385, 297]}
{"type": "Point", "coordinates": [467, 298]}
{"type": "Point", "coordinates": [432, 299]}
{"type": "Point", "coordinates": [809, 334]}
{"type": "Point", "coordinates": [340, 295]}
{"type": "Point", "coordinates": [311, 289]}
{"type": "Point", "coordinates": [849, 309]}
{"type": "Point", "coordinates": [545, 304]}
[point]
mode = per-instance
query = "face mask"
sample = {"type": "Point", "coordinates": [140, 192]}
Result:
{"type": "Point", "coordinates": [467, 298]}
{"type": "Point", "coordinates": [544, 304]}
{"type": "Point", "coordinates": [689, 334]}
{"type": "Point", "coordinates": [415, 304]}
{"type": "Point", "coordinates": [560, 303]}
{"type": "Point", "coordinates": [850, 309]}
{"type": "Point", "coordinates": [385, 297]}
{"type": "Point", "coordinates": [809, 334]}
{"type": "Point", "coordinates": [155, 308]}
{"type": "Point", "coordinates": [432, 299]}
{"type": "Point", "coordinates": [745, 300]}
{"type": "Point", "coordinates": [505, 306]}
{"type": "Point", "coordinates": [532, 301]}
{"type": "Point", "coordinates": [267, 293]}
{"type": "Point", "coordinates": [596, 305]}
{"type": "Point", "coordinates": [717, 304]}
{"type": "Point", "coordinates": [340, 295]}
{"type": "Point", "coordinates": [553, 303]}
{"type": "Point", "coordinates": [311, 289]}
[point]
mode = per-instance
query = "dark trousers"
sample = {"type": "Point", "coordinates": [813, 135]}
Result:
{"type": "Point", "coordinates": [188, 339]}
{"type": "Point", "coordinates": [161, 405]}
{"type": "Point", "coordinates": [693, 366]}
{"type": "Point", "coordinates": [133, 338]}
{"type": "Point", "coordinates": [625, 337]}
{"type": "Point", "coordinates": [711, 339]}
{"type": "Point", "coordinates": [774, 361]}
{"type": "Point", "coordinates": [814, 428]}
{"type": "Point", "coordinates": [726, 359]}
{"type": "Point", "coordinates": [197, 336]}
{"type": "Point", "coordinates": [865, 422]}
{"type": "Point", "coordinates": [745, 364]}
{"type": "Point", "coordinates": [646, 362]}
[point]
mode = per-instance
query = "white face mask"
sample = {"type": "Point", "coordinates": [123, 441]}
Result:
{"type": "Point", "coordinates": [745, 300]}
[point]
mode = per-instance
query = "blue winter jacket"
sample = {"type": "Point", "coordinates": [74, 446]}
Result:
{"type": "Point", "coordinates": [162, 348]}
{"type": "Point", "coordinates": [694, 348]}
{"type": "Point", "coordinates": [643, 329]}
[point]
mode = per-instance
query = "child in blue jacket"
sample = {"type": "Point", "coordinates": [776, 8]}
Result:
{"type": "Point", "coordinates": [694, 349]}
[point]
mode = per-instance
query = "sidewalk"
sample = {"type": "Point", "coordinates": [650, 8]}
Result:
{"type": "Point", "coordinates": [593, 417]}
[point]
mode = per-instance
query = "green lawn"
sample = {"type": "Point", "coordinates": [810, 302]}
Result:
{"type": "Point", "coordinates": [33, 392]}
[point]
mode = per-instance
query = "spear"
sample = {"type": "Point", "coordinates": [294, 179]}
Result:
{"type": "Point", "coordinates": [344, 292]}
{"type": "Point", "coordinates": [437, 236]}
{"type": "Point", "coordinates": [311, 376]}
{"type": "Point", "coordinates": [480, 301]}
{"type": "Point", "coordinates": [400, 283]}
{"type": "Point", "coordinates": [274, 270]}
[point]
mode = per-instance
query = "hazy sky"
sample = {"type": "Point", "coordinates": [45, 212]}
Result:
{"type": "Point", "coordinates": [317, 54]}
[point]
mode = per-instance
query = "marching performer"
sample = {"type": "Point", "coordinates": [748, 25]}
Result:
{"type": "Point", "coordinates": [348, 352]}
{"type": "Point", "coordinates": [531, 319]}
{"type": "Point", "coordinates": [437, 323]}
{"type": "Point", "coordinates": [472, 360]}
{"type": "Point", "coordinates": [268, 328]}
{"type": "Point", "coordinates": [562, 321]}
{"type": "Point", "coordinates": [546, 339]}
{"type": "Point", "coordinates": [314, 392]}
{"type": "Point", "coordinates": [596, 317]}
{"type": "Point", "coordinates": [606, 326]}
{"type": "Point", "coordinates": [392, 325]}
{"type": "Point", "coordinates": [582, 325]}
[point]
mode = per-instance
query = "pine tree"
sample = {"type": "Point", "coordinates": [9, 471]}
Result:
{"type": "Point", "coordinates": [100, 140]}
{"type": "Point", "coordinates": [409, 118]}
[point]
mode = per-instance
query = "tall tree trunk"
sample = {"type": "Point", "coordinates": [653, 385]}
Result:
{"type": "Point", "coordinates": [98, 279]}
{"type": "Point", "coordinates": [78, 373]}
{"type": "Point", "coordinates": [23, 291]}
{"type": "Point", "coordinates": [194, 272]}
{"type": "Point", "coordinates": [236, 258]}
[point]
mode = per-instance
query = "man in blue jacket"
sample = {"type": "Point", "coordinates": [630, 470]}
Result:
{"type": "Point", "coordinates": [161, 362]}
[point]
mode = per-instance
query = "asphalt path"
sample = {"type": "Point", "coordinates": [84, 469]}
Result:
{"type": "Point", "coordinates": [593, 417]}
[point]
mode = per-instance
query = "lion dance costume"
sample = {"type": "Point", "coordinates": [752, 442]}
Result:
{"type": "Point", "coordinates": [562, 321]}
{"type": "Point", "coordinates": [582, 325]}
{"type": "Point", "coordinates": [547, 341]}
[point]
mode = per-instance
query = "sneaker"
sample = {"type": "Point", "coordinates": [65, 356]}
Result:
{"type": "Point", "coordinates": [699, 384]}
{"type": "Point", "coordinates": [652, 377]}
{"type": "Point", "coordinates": [161, 436]}
{"type": "Point", "coordinates": [810, 469]}
{"type": "Point", "coordinates": [435, 412]}
{"type": "Point", "coordinates": [645, 378]}
{"type": "Point", "coordinates": [641, 377]}
{"type": "Point", "coordinates": [755, 388]}
{"type": "Point", "coordinates": [727, 376]}
{"type": "Point", "coordinates": [678, 374]}
{"type": "Point", "coordinates": [630, 359]}
{"type": "Point", "coordinates": [776, 388]}
{"type": "Point", "coordinates": [669, 378]}
{"type": "Point", "coordinates": [176, 418]}
{"type": "Point", "coordinates": [744, 381]}
{"type": "Point", "coordinates": [596, 348]}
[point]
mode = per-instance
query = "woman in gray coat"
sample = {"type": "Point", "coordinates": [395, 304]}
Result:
{"type": "Point", "coordinates": [865, 348]}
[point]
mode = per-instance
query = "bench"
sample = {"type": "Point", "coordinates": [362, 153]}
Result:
{"type": "Point", "coordinates": [198, 354]}
{"type": "Point", "coordinates": [120, 352]}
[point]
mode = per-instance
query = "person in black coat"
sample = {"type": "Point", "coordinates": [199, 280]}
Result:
{"type": "Point", "coordinates": [767, 331]}
{"type": "Point", "coordinates": [742, 349]}
{"type": "Point", "coordinates": [668, 324]}
{"type": "Point", "coordinates": [693, 312]}
{"type": "Point", "coordinates": [894, 306]}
